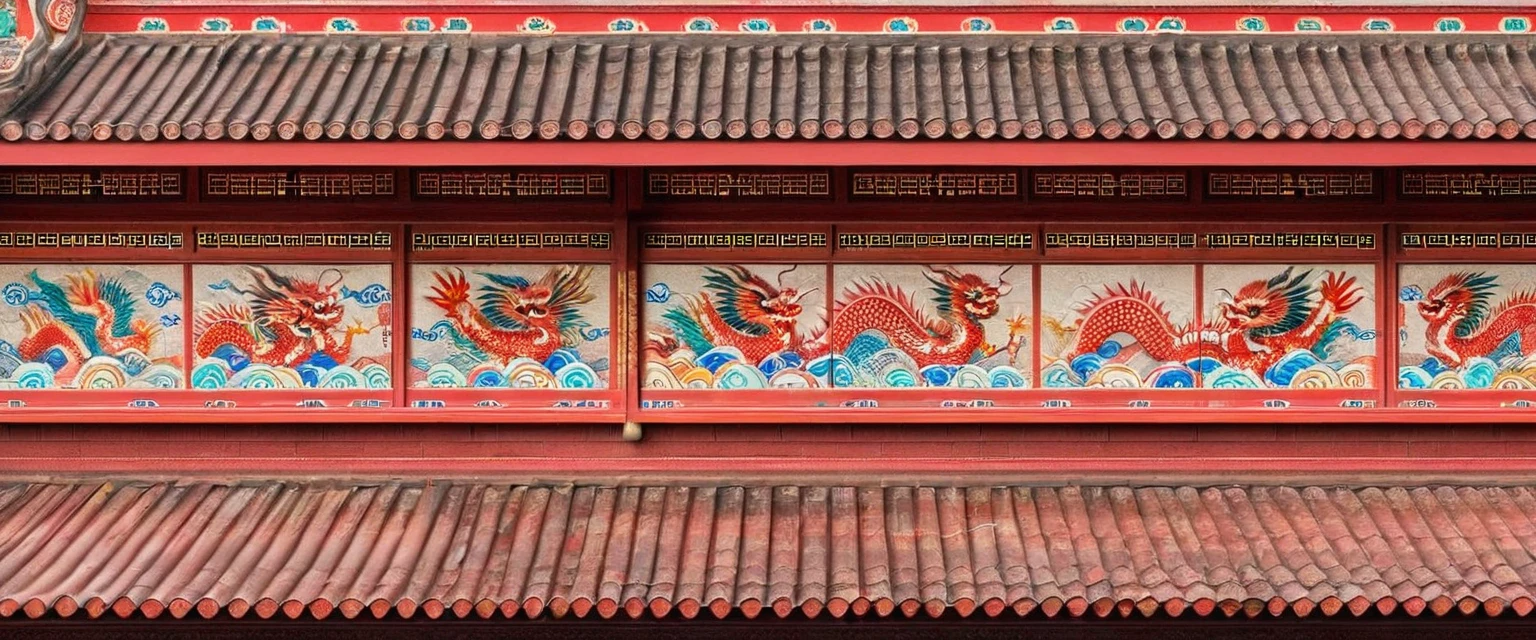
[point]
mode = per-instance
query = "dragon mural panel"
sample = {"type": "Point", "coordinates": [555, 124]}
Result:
{"type": "Point", "coordinates": [510, 326]}
{"type": "Point", "coordinates": [962, 326]}
{"type": "Point", "coordinates": [91, 327]}
{"type": "Point", "coordinates": [735, 326]}
{"type": "Point", "coordinates": [291, 326]}
{"type": "Point", "coordinates": [1467, 326]}
{"type": "Point", "coordinates": [1118, 326]}
{"type": "Point", "coordinates": [1289, 326]}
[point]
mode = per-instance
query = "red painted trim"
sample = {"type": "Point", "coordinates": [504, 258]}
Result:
{"type": "Point", "coordinates": [820, 469]}
{"type": "Point", "coordinates": [312, 17]}
{"type": "Point", "coordinates": [915, 417]}
{"type": "Point", "coordinates": [624, 153]}
{"type": "Point", "coordinates": [258, 414]}
{"type": "Point", "coordinates": [399, 316]}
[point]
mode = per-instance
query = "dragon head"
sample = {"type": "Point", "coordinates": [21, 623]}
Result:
{"type": "Point", "coordinates": [966, 293]}
{"type": "Point", "coordinates": [1268, 307]}
{"type": "Point", "coordinates": [309, 306]}
{"type": "Point", "coordinates": [752, 304]}
{"type": "Point", "coordinates": [781, 304]}
{"type": "Point", "coordinates": [1458, 297]}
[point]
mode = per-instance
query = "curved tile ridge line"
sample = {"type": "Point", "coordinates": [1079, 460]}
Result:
{"type": "Point", "coordinates": [250, 87]}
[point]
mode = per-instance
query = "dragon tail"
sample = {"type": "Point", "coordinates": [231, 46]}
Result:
{"type": "Point", "coordinates": [58, 305]}
{"type": "Point", "coordinates": [879, 288]}
{"type": "Point", "coordinates": [568, 292]}
{"type": "Point", "coordinates": [1131, 309]}
{"type": "Point", "coordinates": [224, 324]}
{"type": "Point", "coordinates": [1519, 299]}
{"type": "Point", "coordinates": [89, 291]}
{"type": "Point", "coordinates": [686, 327]}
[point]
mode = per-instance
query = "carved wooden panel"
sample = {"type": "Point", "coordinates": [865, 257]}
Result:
{"type": "Point", "coordinates": [297, 184]}
{"type": "Point", "coordinates": [512, 184]}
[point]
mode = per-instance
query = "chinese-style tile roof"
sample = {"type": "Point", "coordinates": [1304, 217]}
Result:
{"type": "Point", "coordinates": [260, 87]}
{"type": "Point", "coordinates": [460, 550]}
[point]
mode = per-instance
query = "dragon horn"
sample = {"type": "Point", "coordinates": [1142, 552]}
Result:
{"type": "Point", "coordinates": [332, 285]}
{"type": "Point", "coordinates": [780, 278]}
{"type": "Point", "coordinates": [948, 271]}
{"type": "Point", "coordinates": [805, 293]}
{"type": "Point", "coordinates": [1004, 287]}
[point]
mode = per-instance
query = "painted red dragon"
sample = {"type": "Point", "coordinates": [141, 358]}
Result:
{"type": "Point", "coordinates": [93, 316]}
{"type": "Point", "coordinates": [1463, 321]}
{"type": "Point", "coordinates": [513, 317]}
{"type": "Point", "coordinates": [285, 322]}
{"type": "Point", "coordinates": [738, 309]}
{"type": "Point", "coordinates": [1255, 327]}
{"type": "Point", "coordinates": [952, 337]}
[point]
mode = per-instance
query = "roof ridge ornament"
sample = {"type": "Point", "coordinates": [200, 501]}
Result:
{"type": "Point", "coordinates": [55, 27]}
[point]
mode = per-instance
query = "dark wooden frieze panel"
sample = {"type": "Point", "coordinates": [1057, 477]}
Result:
{"type": "Point", "coordinates": [1260, 185]}
{"type": "Point", "coordinates": [92, 185]}
{"type": "Point", "coordinates": [740, 185]}
{"type": "Point", "coordinates": [1108, 240]}
{"type": "Point", "coordinates": [940, 184]}
{"type": "Point", "coordinates": [298, 184]}
{"type": "Point", "coordinates": [317, 240]}
{"type": "Point", "coordinates": [1291, 240]}
{"type": "Point", "coordinates": [857, 241]}
{"type": "Point", "coordinates": [444, 241]}
{"type": "Point", "coordinates": [745, 240]}
{"type": "Point", "coordinates": [512, 184]}
{"type": "Point", "coordinates": [66, 242]}
{"type": "Point", "coordinates": [1115, 185]}
{"type": "Point", "coordinates": [1455, 184]}
{"type": "Point", "coordinates": [1415, 240]}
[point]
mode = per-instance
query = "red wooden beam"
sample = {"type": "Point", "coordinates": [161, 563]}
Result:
{"type": "Point", "coordinates": [623, 153]}
{"type": "Point", "coordinates": [915, 417]}
{"type": "Point", "coordinates": [640, 468]}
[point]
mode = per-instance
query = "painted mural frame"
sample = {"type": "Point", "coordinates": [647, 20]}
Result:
{"type": "Point", "coordinates": [1473, 277]}
{"type": "Point", "coordinates": [69, 285]}
{"type": "Point", "coordinates": [1227, 364]}
{"type": "Point", "coordinates": [488, 267]}
{"type": "Point", "coordinates": [297, 316]}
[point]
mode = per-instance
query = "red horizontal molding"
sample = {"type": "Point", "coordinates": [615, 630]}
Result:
{"type": "Point", "coordinates": [740, 470]}
{"type": "Point", "coordinates": [1057, 153]}
{"type": "Point", "coordinates": [915, 417]}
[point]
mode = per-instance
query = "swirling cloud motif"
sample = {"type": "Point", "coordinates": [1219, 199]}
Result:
{"type": "Point", "coordinates": [369, 296]}
{"type": "Point", "coordinates": [658, 293]}
{"type": "Point", "coordinates": [434, 333]}
{"type": "Point", "coordinates": [16, 295]}
{"type": "Point", "coordinates": [160, 295]}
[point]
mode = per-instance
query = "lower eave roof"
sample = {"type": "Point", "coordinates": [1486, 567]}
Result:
{"type": "Point", "coordinates": [461, 550]}
{"type": "Point", "coordinates": [259, 87]}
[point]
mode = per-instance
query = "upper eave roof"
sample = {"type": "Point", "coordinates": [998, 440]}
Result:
{"type": "Point", "coordinates": [260, 87]}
